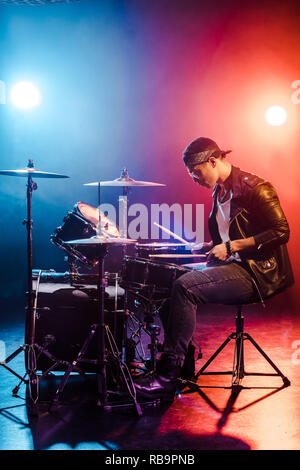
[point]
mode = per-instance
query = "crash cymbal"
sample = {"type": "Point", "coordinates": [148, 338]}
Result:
{"type": "Point", "coordinates": [101, 240]}
{"type": "Point", "coordinates": [124, 180]}
{"type": "Point", "coordinates": [34, 172]}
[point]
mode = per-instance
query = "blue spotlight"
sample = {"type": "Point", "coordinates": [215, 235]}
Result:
{"type": "Point", "coordinates": [25, 95]}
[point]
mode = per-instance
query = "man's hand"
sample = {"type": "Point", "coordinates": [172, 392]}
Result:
{"type": "Point", "coordinates": [218, 253]}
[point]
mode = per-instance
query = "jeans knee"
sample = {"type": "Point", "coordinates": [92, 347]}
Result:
{"type": "Point", "coordinates": [178, 284]}
{"type": "Point", "coordinates": [181, 284]}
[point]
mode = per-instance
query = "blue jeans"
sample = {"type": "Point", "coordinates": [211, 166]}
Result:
{"type": "Point", "coordinates": [220, 284]}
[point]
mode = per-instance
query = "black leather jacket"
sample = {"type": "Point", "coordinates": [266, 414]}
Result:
{"type": "Point", "coordinates": [255, 211]}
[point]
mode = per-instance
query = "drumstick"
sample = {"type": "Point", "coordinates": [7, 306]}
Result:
{"type": "Point", "coordinates": [173, 234]}
{"type": "Point", "coordinates": [178, 255]}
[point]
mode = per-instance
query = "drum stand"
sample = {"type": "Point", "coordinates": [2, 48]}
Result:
{"type": "Point", "coordinates": [101, 361]}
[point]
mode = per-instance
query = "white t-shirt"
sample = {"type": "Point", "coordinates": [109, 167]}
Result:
{"type": "Point", "coordinates": [222, 218]}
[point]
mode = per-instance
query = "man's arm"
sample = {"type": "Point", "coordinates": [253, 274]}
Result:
{"type": "Point", "coordinates": [242, 244]}
{"type": "Point", "coordinates": [265, 203]}
{"type": "Point", "coordinates": [220, 251]}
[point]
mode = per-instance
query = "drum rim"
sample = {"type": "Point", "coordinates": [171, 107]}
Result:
{"type": "Point", "coordinates": [81, 215]}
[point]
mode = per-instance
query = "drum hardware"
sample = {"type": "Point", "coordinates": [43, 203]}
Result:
{"type": "Point", "coordinates": [71, 260]}
{"type": "Point", "coordinates": [148, 325]}
{"type": "Point", "coordinates": [135, 347]}
{"type": "Point", "coordinates": [126, 183]}
{"type": "Point", "coordinates": [72, 253]}
{"type": "Point", "coordinates": [150, 280]}
{"type": "Point", "coordinates": [75, 278]}
{"type": "Point", "coordinates": [42, 350]}
{"type": "Point", "coordinates": [101, 243]}
{"type": "Point", "coordinates": [30, 349]}
{"type": "Point", "coordinates": [149, 283]}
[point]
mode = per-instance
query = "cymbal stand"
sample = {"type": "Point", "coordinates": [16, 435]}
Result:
{"type": "Point", "coordinates": [30, 317]}
{"type": "Point", "coordinates": [30, 348]}
{"type": "Point", "coordinates": [123, 206]}
{"type": "Point", "coordinates": [103, 332]}
{"type": "Point", "coordinates": [101, 362]}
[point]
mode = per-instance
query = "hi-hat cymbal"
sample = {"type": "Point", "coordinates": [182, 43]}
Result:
{"type": "Point", "coordinates": [25, 172]}
{"type": "Point", "coordinates": [101, 240]}
{"type": "Point", "coordinates": [124, 180]}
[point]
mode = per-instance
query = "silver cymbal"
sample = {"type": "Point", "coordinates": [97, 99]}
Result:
{"type": "Point", "coordinates": [25, 172]}
{"type": "Point", "coordinates": [120, 182]}
{"type": "Point", "coordinates": [101, 240]}
{"type": "Point", "coordinates": [124, 180]}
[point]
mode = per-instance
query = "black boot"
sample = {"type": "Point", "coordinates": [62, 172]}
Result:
{"type": "Point", "coordinates": [163, 382]}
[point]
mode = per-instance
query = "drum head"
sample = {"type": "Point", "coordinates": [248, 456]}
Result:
{"type": "Point", "coordinates": [91, 214]}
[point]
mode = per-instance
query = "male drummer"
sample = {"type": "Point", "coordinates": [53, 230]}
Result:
{"type": "Point", "coordinates": [247, 257]}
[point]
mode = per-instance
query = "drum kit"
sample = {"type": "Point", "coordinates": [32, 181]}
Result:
{"type": "Point", "coordinates": [86, 236]}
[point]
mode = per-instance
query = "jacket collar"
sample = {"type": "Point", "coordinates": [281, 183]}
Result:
{"type": "Point", "coordinates": [235, 183]}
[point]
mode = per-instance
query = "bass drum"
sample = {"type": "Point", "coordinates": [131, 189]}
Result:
{"type": "Point", "coordinates": [63, 320]}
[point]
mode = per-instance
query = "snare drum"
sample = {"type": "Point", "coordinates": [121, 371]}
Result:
{"type": "Point", "coordinates": [144, 250]}
{"type": "Point", "coordinates": [164, 251]}
{"type": "Point", "coordinates": [139, 273]}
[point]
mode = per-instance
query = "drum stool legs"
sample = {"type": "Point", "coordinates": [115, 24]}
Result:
{"type": "Point", "coordinates": [238, 371]}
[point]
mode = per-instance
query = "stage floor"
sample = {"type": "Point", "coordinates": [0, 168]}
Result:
{"type": "Point", "coordinates": [263, 416]}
